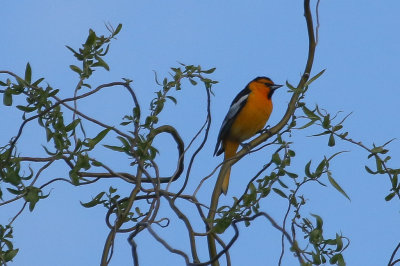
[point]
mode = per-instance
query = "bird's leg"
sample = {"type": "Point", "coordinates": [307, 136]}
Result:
{"type": "Point", "coordinates": [265, 130]}
{"type": "Point", "coordinates": [245, 146]}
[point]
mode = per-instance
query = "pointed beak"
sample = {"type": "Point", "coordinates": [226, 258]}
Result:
{"type": "Point", "coordinates": [274, 87]}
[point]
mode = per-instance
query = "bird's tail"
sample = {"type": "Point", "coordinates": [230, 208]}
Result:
{"type": "Point", "coordinates": [230, 148]}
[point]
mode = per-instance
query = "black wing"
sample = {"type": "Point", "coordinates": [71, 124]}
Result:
{"type": "Point", "coordinates": [236, 105]}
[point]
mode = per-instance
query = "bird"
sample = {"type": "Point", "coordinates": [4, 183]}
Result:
{"type": "Point", "coordinates": [247, 115]}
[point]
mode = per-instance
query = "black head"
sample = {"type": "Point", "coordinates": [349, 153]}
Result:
{"type": "Point", "coordinates": [269, 83]}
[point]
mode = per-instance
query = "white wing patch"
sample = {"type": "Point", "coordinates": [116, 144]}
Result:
{"type": "Point", "coordinates": [235, 107]}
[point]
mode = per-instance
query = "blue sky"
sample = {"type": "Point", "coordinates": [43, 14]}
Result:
{"type": "Point", "coordinates": [358, 45]}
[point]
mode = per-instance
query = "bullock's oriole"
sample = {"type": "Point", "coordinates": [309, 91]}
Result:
{"type": "Point", "coordinates": [247, 115]}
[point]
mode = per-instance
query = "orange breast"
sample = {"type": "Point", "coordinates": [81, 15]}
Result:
{"type": "Point", "coordinates": [253, 117]}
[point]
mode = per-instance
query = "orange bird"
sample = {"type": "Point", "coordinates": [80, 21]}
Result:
{"type": "Point", "coordinates": [247, 115]}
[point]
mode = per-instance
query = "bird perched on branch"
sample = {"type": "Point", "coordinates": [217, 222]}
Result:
{"type": "Point", "coordinates": [247, 115]}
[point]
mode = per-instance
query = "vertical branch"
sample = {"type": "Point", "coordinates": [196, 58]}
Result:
{"type": "Point", "coordinates": [274, 130]}
{"type": "Point", "coordinates": [120, 220]}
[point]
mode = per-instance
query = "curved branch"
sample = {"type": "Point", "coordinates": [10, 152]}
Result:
{"type": "Point", "coordinates": [391, 262]}
{"type": "Point", "coordinates": [207, 124]}
{"type": "Point", "coordinates": [181, 149]}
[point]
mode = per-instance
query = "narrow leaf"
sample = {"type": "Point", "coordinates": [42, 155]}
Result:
{"type": "Point", "coordinates": [331, 141]}
{"type": "Point", "coordinates": [390, 196]}
{"type": "Point", "coordinates": [370, 171]}
{"type": "Point", "coordinates": [72, 125]}
{"type": "Point", "coordinates": [7, 97]}
{"type": "Point", "coordinates": [27, 109]}
{"type": "Point", "coordinates": [310, 113]}
{"type": "Point", "coordinates": [37, 82]}
{"type": "Point", "coordinates": [209, 71]}
{"type": "Point", "coordinates": [115, 148]}
{"type": "Point", "coordinates": [279, 192]}
{"type": "Point", "coordinates": [311, 80]}
{"type": "Point", "coordinates": [100, 62]}
{"type": "Point", "coordinates": [76, 69]}
{"type": "Point", "coordinates": [118, 29]}
{"type": "Point", "coordinates": [91, 38]}
{"type": "Point", "coordinates": [307, 170]}
{"type": "Point", "coordinates": [337, 186]}
{"type": "Point", "coordinates": [99, 137]}
{"type": "Point", "coordinates": [28, 73]}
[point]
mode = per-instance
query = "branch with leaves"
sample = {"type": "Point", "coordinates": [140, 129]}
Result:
{"type": "Point", "coordinates": [151, 194]}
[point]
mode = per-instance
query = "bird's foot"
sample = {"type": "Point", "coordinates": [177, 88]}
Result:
{"type": "Point", "coordinates": [265, 130]}
{"type": "Point", "coordinates": [245, 146]}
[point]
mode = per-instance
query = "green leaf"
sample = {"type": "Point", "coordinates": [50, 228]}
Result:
{"type": "Point", "coordinates": [336, 128]}
{"type": "Point", "coordinates": [378, 164]}
{"type": "Point", "coordinates": [290, 86]}
{"type": "Point", "coordinates": [282, 184]}
{"type": "Point", "coordinates": [72, 125]}
{"type": "Point", "coordinates": [98, 138]}
{"type": "Point", "coordinates": [340, 260]}
{"type": "Point", "coordinates": [378, 149]}
{"type": "Point", "coordinates": [316, 259]}
{"type": "Point", "coordinates": [96, 163]}
{"type": "Point", "coordinates": [115, 148]}
{"type": "Point", "coordinates": [320, 167]}
{"type": "Point", "coordinates": [276, 159]}
{"type": "Point", "coordinates": [337, 186]}
{"type": "Point", "coordinates": [279, 192]}
{"type": "Point", "coordinates": [7, 97]}
{"type": "Point", "coordinates": [32, 196]}
{"type": "Point", "coordinates": [14, 191]}
{"type": "Point", "coordinates": [307, 170]}
{"type": "Point", "coordinates": [331, 141]}
{"type": "Point", "coordinates": [334, 259]}
{"type": "Point", "coordinates": [252, 188]}
{"type": "Point", "coordinates": [311, 80]}
{"type": "Point", "coordinates": [53, 92]}
{"type": "Point", "coordinates": [209, 71]}
{"type": "Point", "coordinates": [194, 83]}
{"type": "Point", "coordinates": [72, 50]}
{"type": "Point", "coordinates": [91, 38]}
{"type": "Point", "coordinates": [95, 201]}
{"type": "Point", "coordinates": [308, 124]}
{"type": "Point", "coordinates": [73, 175]}
{"type": "Point", "coordinates": [26, 109]}
{"type": "Point", "coordinates": [339, 243]}
{"type": "Point", "coordinates": [10, 254]}
{"type": "Point", "coordinates": [100, 62]}
{"type": "Point", "coordinates": [28, 73]}
{"type": "Point", "coordinates": [82, 162]}
{"type": "Point", "coordinates": [321, 134]}
{"type": "Point", "coordinates": [76, 69]}
{"type": "Point", "coordinates": [370, 171]}
{"type": "Point", "coordinates": [344, 135]}
{"type": "Point", "coordinates": [37, 82]}
{"type": "Point", "coordinates": [292, 175]}
{"type": "Point", "coordinates": [118, 29]}
{"type": "Point", "coordinates": [394, 181]}
{"type": "Point", "coordinates": [326, 122]}
{"type": "Point", "coordinates": [172, 99]}
{"type": "Point", "coordinates": [311, 115]}
{"type": "Point", "coordinates": [221, 225]}
{"type": "Point", "coordinates": [319, 221]}
{"type": "Point", "coordinates": [390, 196]}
